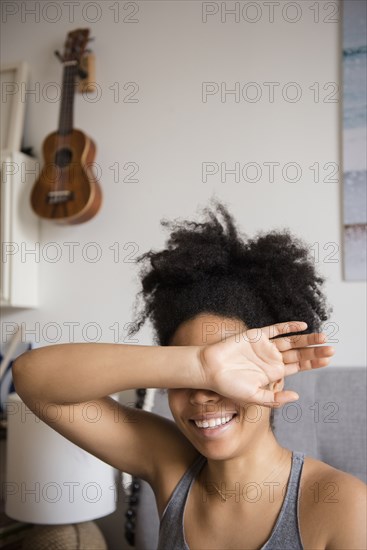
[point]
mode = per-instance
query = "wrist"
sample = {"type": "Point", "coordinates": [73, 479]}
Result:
{"type": "Point", "coordinates": [199, 373]}
{"type": "Point", "coordinates": [186, 368]}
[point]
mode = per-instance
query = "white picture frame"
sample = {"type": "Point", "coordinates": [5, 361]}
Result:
{"type": "Point", "coordinates": [13, 81]}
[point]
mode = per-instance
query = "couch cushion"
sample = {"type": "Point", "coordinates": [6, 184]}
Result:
{"type": "Point", "coordinates": [328, 422]}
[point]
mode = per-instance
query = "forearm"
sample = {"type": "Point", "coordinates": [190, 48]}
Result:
{"type": "Point", "coordinates": [72, 373]}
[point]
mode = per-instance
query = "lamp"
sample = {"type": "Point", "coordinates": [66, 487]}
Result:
{"type": "Point", "coordinates": [51, 481]}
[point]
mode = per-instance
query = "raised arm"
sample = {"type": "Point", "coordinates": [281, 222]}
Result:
{"type": "Point", "coordinates": [141, 443]}
{"type": "Point", "coordinates": [73, 373]}
{"type": "Point", "coordinates": [77, 379]}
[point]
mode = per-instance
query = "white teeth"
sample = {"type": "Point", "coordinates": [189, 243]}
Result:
{"type": "Point", "coordinates": [213, 422]}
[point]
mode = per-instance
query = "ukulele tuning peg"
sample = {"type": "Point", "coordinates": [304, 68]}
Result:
{"type": "Point", "coordinates": [59, 56]}
{"type": "Point", "coordinates": [82, 74]}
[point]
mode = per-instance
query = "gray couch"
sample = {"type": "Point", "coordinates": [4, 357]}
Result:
{"type": "Point", "coordinates": [328, 423]}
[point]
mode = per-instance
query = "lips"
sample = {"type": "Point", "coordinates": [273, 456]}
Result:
{"type": "Point", "coordinates": [214, 421]}
{"type": "Point", "coordinates": [211, 426]}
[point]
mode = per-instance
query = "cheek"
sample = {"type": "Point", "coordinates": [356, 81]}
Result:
{"type": "Point", "coordinates": [177, 400]}
{"type": "Point", "coordinates": [255, 415]}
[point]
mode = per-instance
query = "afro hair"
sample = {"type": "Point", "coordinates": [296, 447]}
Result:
{"type": "Point", "coordinates": [210, 267]}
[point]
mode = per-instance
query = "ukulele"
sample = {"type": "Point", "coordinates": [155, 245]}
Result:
{"type": "Point", "coordinates": [67, 191]}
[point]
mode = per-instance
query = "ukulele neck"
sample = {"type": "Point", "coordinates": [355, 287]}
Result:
{"type": "Point", "coordinates": [67, 98]}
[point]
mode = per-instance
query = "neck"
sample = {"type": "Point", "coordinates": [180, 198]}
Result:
{"type": "Point", "coordinates": [67, 99]}
{"type": "Point", "coordinates": [258, 470]}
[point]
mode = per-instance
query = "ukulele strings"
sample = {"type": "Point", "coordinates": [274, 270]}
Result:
{"type": "Point", "coordinates": [69, 120]}
{"type": "Point", "coordinates": [62, 122]}
{"type": "Point", "coordinates": [70, 64]}
{"type": "Point", "coordinates": [65, 123]}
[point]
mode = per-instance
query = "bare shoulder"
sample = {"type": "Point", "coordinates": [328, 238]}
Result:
{"type": "Point", "coordinates": [316, 471]}
{"type": "Point", "coordinates": [177, 455]}
{"type": "Point", "coordinates": [336, 502]}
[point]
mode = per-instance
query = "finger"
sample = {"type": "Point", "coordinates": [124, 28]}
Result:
{"type": "Point", "coordinates": [293, 368]}
{"type": "Point", "coordinates": [307, 354]}
{"type": "Point", "coordinates": [268, 398]}
{"type": "Point", "coordinates": [283, 328]}
{"type": "Point", "coordinates": [286, 396]}
{"type": "Point", "coordinates": [300, 340]}
{"type": "Point", "coordinates": [314, 364]}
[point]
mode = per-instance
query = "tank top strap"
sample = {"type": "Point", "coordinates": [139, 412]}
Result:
{"type": "Point", "coordinates": [170, 528]}
{"type": "Point", "coordinates": [286, 532]}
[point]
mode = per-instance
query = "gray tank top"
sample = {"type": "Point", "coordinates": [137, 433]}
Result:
{"type": "Point", "coordinates": [284, 536]}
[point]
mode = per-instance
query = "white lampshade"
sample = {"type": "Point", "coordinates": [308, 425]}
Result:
{"type": "Point", "coordinates": [49, 480]}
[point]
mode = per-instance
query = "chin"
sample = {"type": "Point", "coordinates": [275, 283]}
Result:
{"type": "Point", "coordinates": [219, 443]}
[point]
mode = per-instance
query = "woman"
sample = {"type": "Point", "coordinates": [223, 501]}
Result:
{"type": "Point", "coordinates": [232, 318]}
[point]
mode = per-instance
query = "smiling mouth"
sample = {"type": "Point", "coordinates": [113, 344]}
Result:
{"type": "Point", "coordinates": [212, 424]}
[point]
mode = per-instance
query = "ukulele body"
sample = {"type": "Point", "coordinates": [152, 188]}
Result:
{"type": "Point", "coordinates": [67, 191]}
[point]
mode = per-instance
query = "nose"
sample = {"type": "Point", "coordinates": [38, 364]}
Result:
{"type": "Point", "coordinates": [201, 396]}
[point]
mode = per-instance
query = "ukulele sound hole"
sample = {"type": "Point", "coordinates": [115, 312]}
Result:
{"type": "Point", "coordinates": [63, 157]}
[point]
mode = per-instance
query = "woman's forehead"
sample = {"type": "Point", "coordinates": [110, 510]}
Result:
{"type": "Point", "coordinates": [206, 328]}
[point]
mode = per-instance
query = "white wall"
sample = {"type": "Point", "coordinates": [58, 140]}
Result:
{"type": "Point", "coordinates": [169, 52]}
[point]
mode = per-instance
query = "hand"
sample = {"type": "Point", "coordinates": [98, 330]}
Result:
{"type": "Point", "coordinates": [243, 365]}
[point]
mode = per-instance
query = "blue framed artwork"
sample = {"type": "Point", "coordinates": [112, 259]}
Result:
{"type": "Point", "coordinates": [354, 138]}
